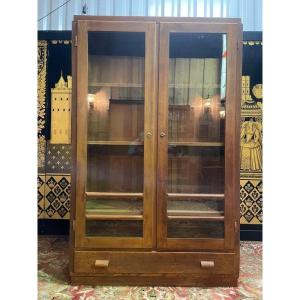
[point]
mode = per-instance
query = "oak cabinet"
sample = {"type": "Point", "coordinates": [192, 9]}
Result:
{"type": "Point", "coordinates": [155, 136]}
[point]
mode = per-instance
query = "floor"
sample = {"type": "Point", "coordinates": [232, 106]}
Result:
{"type": "Point", "coordinates": [53, 274]}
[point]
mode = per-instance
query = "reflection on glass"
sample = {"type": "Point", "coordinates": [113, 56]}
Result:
{"type": "Point", "coordinates": [116, 86]}
{"type": "Point", "coordinates": [197, 87]}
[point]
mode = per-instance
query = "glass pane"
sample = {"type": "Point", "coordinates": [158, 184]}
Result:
{"type": "Point", "coordinates": [190, 207]}
{"type": "Point", "coordinates": [195, 229]}
{"type": "Point", "coordinates": [116, 86]}
{"type": "Point", "coordinates": [196, 135]}
{"type": "Point", "coordinates": [115, 168]}
{"type": "Point", "coordinates": [115, 149]}
{"type": "Point", "coordinates": [197, 87]}
{"type": "Point", "coordinates": [195, 169]}
{"type": "Point", "coordinates": [114, 228]}
{"type": "Point", "coordinates": [114, 206]}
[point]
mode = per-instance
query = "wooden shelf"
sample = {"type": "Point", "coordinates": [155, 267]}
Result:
{"type": "Point", "coordinates": [116, 143]}
{"type": "Point", "coordinates": [103, 217]}
{"type": "Point", "coordinates": [201, 217]}
{"type": "Point", "coordinates": [181, 196]}
{"type": "Point", "coordinates": [116, 84]}
{"type": "Point", "coordinates": [112, 195]}
{"type": "Point", "coordinates": [192, 86]}
{"type": "Point", "coordinates": [197, 144]}
{"type": "Point", "coordinates": [127, 101]}
{"type": "Point", "coordinates": [185, 212]}
{"type": "Point", "coordinates": [115, 211]}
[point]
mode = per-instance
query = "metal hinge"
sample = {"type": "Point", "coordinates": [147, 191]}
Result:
{"type": "Point", "coordinates": [73, 225]}
{"type": "Point", "coordinates": [75, 41]}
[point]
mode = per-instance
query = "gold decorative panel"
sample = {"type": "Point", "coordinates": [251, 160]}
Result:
{"type": "Point", "coordinates": [57, 196]}
{"type": "Point", "coordinates": [61, 96]}
{"type": "Point", "coordinates": [41, 195]}
{"type": "Point", "coordinates": [41, 93]}
{"type": "Point", "coordinates": [251, 153]}
{"type": "Point", "coordinates": [251, 200]}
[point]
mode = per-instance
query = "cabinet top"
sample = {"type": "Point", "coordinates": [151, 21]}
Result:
{"type": "Point", "coordinates": [158, 19]}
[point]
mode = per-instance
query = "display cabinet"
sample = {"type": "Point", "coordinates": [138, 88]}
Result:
{"type": "Point", "coordinates": [155, 136]}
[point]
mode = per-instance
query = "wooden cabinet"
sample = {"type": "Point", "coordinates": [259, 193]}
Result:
{"type": "Point", "coordinates": [155, 136]}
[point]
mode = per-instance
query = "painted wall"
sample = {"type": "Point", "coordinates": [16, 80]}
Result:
{"type": "Point", "coordinates": [250, 11]}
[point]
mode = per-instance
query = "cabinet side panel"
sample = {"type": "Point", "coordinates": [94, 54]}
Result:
{"type": "Point", "coordinates": [237, 122]}
{"type": "Point", "coordinates": [73, 143]}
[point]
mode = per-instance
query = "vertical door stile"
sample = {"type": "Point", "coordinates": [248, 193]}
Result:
{"type": "Point", "coordinates": [82, 76]}
{"type": "Point", "coordinates": [161, 138]}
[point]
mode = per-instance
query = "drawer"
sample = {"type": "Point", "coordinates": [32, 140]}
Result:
{"type": "Point", "coordinates": [153, 262]}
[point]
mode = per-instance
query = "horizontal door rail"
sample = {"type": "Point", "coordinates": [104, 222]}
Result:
{"type": "Point", "coordinates": [116, 143]}
{"type": "Point", "coordinates": [197, 144]}
{"type": "Point", "coordinates": [97, 217]}
{"type": "Point", "coordinates": [184, 196]}
{"type": "Point", "coordinates": [114, 195]}
{"type": "Point", "coordinates": [199, 217]}
{"type": "Point", "coordinates": [112, 212]}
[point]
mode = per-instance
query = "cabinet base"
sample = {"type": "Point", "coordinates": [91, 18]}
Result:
{"type": "Point", "coordinates": [156, 280]}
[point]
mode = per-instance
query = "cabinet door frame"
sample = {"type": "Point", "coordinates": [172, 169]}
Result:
{"type": "Point", "coordinates": [79, 135]}
{"type": "Point", "coordinates": [232, 146]}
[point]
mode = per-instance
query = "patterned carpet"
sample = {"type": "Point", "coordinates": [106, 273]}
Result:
{"type": "Point", "coordinates": [53, 274]}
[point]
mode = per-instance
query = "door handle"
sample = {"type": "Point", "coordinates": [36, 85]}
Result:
{"type": "Point", "coordinates": [162, 134]}
{"type": "Point", "coordinates": [207, 264]}
{"type": "Point", "coordinates": [101, 263]}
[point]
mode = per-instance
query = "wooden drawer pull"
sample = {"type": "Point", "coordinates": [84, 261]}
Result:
{"type": "Point", "coordinates": [101, 263]}
{"type": "Point", "coordinates": [207, 264]}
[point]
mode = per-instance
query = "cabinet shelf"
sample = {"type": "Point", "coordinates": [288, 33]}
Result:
{"type": "Point", "coordinates": [195, 213]}
{"type": "Point", "coordinates": [112, 195]}
{"type": "Point", "coordinates": [116, 84]}
{"type": "Point", "coordinates": [103, 217]}
{"type": "Point", "coordinates": [181, 196]}
{"type": "Point", "coordinates": [197, 144]}
{"type": "Point", "coordinates": [200, 217]}
{"type": "Point", "coordinates": [116, 143]}
{"type": "Point", "coordinates": [192, 86]}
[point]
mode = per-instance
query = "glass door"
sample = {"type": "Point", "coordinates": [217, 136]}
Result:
{"type": "Point", "coordinates": [196, 157]}
{"type": "Point", "coordinates": [115, 134]}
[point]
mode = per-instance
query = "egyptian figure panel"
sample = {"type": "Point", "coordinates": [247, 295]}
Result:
{"type": "Point", "coordinates": [251, 134]}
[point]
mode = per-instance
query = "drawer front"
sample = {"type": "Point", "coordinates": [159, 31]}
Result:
{"type": "Point", "coordinates": [153, 262]}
